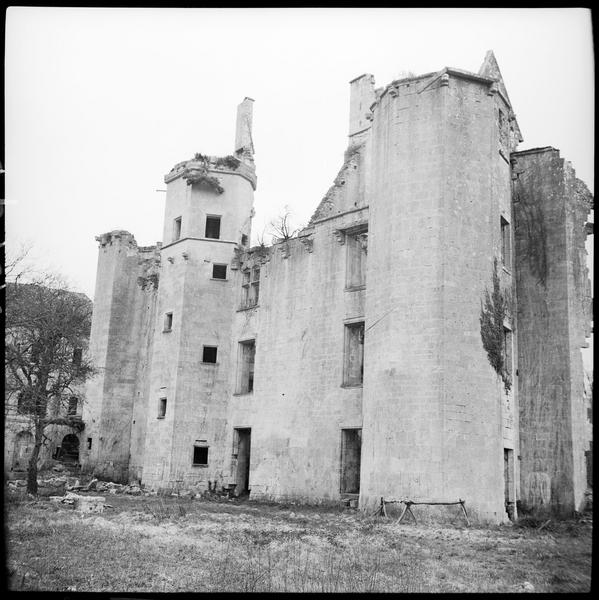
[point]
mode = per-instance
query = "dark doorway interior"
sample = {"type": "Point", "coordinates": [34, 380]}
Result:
{"type": "Point", "coordinates": [242, 478]}
{"type": "Point", "coordinates": [508, 478]}
{"type": "Point", "coordinates": [69, 449]}
{"type": "Point", "coordinates": [351, 451]}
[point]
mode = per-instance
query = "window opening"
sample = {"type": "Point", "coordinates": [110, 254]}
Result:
{"type": "Point", "coordinates": [209, 354]}
{"type": "Point", "coordinates": [354, 354]}
{"type": "Point", "coordinates": [356, 260]}
{"type": "Point", "coordinates": [161, 408]}
{"type": "Point", "coordinates": [507, 351]}
{"type": "Point", "coordinates": [168, 321]}
{"type": "Point", "coordinates": [77, 356]}
{"type": "Point", "coordinates": [200, 452]}
{"type": "Point", "coordinates": [213, 227]}
{"type": "Point", "coordinates": [247, 351]}
{"type": "Point", "coordinates": [251, 287]}
{"type": "Point", "coordinates": [176, 229]}
{"type": "Point", "coordinates": [73, 402]}
{"type": "Point", "coordinates": [219, 271]}
{"type": "Point", "coordinates": [506, 247]}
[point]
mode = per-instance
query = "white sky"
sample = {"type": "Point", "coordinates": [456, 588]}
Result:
{"type": "Point", "coordinates": [101, 103]}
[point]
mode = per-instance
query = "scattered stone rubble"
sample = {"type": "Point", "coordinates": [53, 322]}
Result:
{"type": "Point", "coordinates": [55, 482]}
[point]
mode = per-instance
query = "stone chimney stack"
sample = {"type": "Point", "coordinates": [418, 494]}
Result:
{"type": "Point", "coordinates": [361, 97]}
{"type": "Point", "coordinates": [243, 129]}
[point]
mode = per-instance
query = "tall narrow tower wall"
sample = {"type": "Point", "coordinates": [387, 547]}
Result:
{"type": "Point", "coordinates": [119, 344]}
{"type": "Point", "coordinates": [551, 207]}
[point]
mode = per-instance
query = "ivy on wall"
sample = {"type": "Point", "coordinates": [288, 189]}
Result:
{"type": "Point", "coordinates": [494, 309]}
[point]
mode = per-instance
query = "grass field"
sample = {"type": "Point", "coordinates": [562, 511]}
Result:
{"type": "Point", "coordinates": [151, 544]}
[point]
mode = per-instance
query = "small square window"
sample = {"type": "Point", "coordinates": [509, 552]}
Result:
{"type": "Point", "coordinates": [219, 271]}
{"type": "Point", "coordinates": [209, 354]}
{"type": "Point", "coordinates": [200, 455]}
{"type": "Point", "coordinates": [213, 227]}
{"type": "Point", "coordinates": [161, 408]}
{"type": "Point", "coordinates": [168, 321]}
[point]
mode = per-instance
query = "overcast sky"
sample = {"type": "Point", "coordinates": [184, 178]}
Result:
{"type": "Point", "coordinates": [101, 103]}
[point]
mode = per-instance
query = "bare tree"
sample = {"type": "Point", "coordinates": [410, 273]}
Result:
{"type": "Point", "coordinates": [47, 329]}
{"type": "Point", "coordinates": [281, 228]}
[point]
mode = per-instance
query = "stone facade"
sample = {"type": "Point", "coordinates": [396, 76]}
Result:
{"type": "Point", "coordinates": [347, 361]}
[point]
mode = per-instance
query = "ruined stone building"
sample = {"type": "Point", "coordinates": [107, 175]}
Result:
{"type": "Point", "coordinates": [61, 441]}
{"type": "Point", "coordinates": [420, 339]}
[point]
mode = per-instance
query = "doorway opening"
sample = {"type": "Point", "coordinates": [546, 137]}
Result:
{"type": "Point", "coordinates": [508, 478]}
{"type": "Point", "coordinates": [242, 446]}
{"type": "Point", "coordinates": [69, 449]}
{"type": "Point", "coordinates": [351, 451]}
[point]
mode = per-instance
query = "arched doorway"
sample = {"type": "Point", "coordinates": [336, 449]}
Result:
{"type": "Point", "coordinates": [22, 451]}
{"type": "Point", "coordinates": [69, 449]}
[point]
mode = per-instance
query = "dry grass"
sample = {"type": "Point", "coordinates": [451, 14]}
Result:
{"type": "Point", "coordinates": [175, 545]}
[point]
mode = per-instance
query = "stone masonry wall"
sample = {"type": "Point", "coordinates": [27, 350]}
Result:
{"type": "Point", "coordinates": [553, 320]}
{"type": "Point", "coordinates": [118, 343]}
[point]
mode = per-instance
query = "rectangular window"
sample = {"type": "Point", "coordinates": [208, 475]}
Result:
{"type": "Point", "coordinates": [506, 244]}
{"type": "Point", "coordinates": [245, 376]}
{"type": "Point", "coordinates": [72, 409]}
{"type": "Point", "coordinates": [168, 321]}
{"type": "Point", "coordinates": [219, 271]}
{"type": "Point", "coordinates": [353, 371]}
{"type": "Point", "coordinates": [251, 287]}
{"type": "Point", "coordinates": [176, 229]}
{"type": "Point", "coordinates": [213, 227]}
{"type": "Point", "coordinates": [161, 408]}
{"type": "Point", "coordinates": [89, 443]}
{"type": "Point", "coordinates": [244, 240]}
{"type": "Point", "coordinates": [209, 354]}
{"type": "Point", "coordinates": [356, 260]}
{"type": "Point", "coordinates": [77, 356]}
{"type": "Point", "coordinates": [507, 351]}
{"type": "Point", "coordinates": [200, 453]}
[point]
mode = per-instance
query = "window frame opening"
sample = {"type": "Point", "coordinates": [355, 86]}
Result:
{"type": "Point", "coordinates": [207, 355]}
{"type": "Point", "coordinates": [353, 354]}
{"type": "Point", "coordinates": [246, 367]}
{"type": "Point", "coordinates": [506, 243]}
{"type": "Point", "coordinates": [177, 225]}
{"type": "Point", "coordinates": [72, 406]}
{"type": "Point", "coordinates": [199, 456]}
{"type": "Point", "coordinates": [356, 259]}
{"type": "Point", "coordinates": [162, 404]}
{"type": "Point", "coordinates": [508, 351]}
{"type": "Point", "coordinates": [219, 268]}
{"type": "Point", "coordinates": [168, 322]}
{"type": "Point", "coordinates": [213, 227]}
{"type": "Point", "coordinates": [250, 287]}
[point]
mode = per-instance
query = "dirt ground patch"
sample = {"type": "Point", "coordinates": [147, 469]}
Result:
{"type": "Point", "coordinates": [176, 545]}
